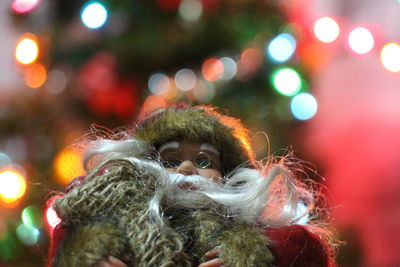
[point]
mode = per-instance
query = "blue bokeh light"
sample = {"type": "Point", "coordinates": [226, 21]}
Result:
{"type": "Point", "coordinates": [304, 106]}
{"type": "Point", "coordinates": [282, 47]}
{"type": "Point", "coordinates": [94, 15]}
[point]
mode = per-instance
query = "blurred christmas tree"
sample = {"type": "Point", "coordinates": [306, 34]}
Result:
{"type": "Point", "coordinates": [104, 61]}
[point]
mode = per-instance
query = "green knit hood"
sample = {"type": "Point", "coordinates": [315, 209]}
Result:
{"type": "Point", "coordinates": [199, 124]}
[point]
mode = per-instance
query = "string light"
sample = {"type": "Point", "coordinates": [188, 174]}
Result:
{"type": "Point", "coordinates": [4, 160]}
{"type": "Point", "coordinates": [286, 81]}
{"type": "Point", "coordinates": [12, 186]}
{"type": "Point", "coordinates": [326, 29]}
{"type": "Point", "coordinates": [282, 47]}
{"type": "Point", "coordinates": [35, 75]}
{"type": "Point", "coordinates": [152, 103]}
{"type": "Point", "coordinates": [159, 83]}
{"type": "Point", "coordinates": [27, 49]}
{"type": "Point", "coordinates": [24, 6]}
{"type": "Point", "coordinates": [56, 81]}
{"type": "Point", "coordinates": [32, 217]}
{"type": "Point", "coordinates": [94, 15]}
{"type": "Point", "coordinates": [204, 92]}
{"type": "Point", "coordinates": [68, 165]}
{"type": "Point", "coordinates": [361, 40]}
{"type": "Point", "coordinates": [185, 79]}
{"type": "Point", "coordinates": [190, 10]}
{"type": "Point", "coordinates": [303, 106]}
{"type": "Point", "coordinates": [230, 68]}
{"type": "Point", "coordinates": [212, 69]}
{"type": "Point", "coordinates": [28, 235]}
{"type": "Point", "coordinates": [390, 57]}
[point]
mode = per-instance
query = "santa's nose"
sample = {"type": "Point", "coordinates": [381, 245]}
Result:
{"type": "Point", "coordinates": [187, 168]}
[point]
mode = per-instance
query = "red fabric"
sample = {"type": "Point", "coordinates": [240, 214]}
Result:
{"type": "Point", "coordinates": [56, 237]}
{"type": "Point", "coordinates": [295, 246]}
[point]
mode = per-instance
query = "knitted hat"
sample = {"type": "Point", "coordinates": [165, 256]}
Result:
{"type": "Point", "coordinates": [199, 124]}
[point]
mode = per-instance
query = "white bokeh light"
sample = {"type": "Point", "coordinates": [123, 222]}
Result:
{"type": "Point", "coordinates": [185, 79]}
{"type": "Point", "coordinates": [190, 10]}
{"type": "Point", "coordinates": [361, 40]}
{"type": "Point", "coordinates": [230, 68]}
{"type": "Point", "coordinates": [390, 57]}
{"type": "Point", "coordinates": [94, 15]}
{"type": "Point", "coordinates": [326, 29]}
{"type": "Point", "coordinates": [159, 83]}
{"type": "Point", "coordinates": [287, 81]}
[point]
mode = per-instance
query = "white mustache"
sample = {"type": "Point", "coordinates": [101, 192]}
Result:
{"type": "Point", "coordinates": [178, 181]}
{"type": "Point", "coordinates": [244, 194]}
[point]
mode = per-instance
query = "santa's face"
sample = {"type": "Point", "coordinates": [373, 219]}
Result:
{"type": "Point", "coordinates": [191, 158]}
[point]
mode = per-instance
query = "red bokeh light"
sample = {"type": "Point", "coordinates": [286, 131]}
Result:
{"type": "Point", "coordinates": [212, 69]}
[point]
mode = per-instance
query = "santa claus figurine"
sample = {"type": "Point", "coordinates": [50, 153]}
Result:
{"type": "Point", "coordinates": [182, 188]}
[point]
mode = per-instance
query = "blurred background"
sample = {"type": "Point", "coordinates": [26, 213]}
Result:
{"type": "Point", "coordinates": [320, 77]}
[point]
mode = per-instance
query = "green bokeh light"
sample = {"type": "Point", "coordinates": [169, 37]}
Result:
{"type": "Point", "coordinates": [286, 81]}
{"type": "Point", "coordinates": [32, 217]}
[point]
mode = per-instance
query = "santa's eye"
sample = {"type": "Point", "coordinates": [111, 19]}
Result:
{"type": "Point", "coordinates": [171, 160]}
{"type": "Point", "coordinates": [203, 161]}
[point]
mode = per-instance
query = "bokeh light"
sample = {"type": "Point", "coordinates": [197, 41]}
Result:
{"type": "Point", "coordinates": [24, 6]}
{"type": "Point", "coordinates": [159, 83]}
{"type": "Point", "coordinates": [12, 186]}
{"type": "Point", "coordinates": [249, 62]}
{"type": "Point", "coordinates": [56, 81]}
{"type": "Point", "coordinates": [68, 165]}
{"type": "Point", "coordinates": [390, 57]}
{"type": "Point", "coordinates": [168, 5]}
{"type": "Point", "coordinates": [303, 106]}
{"type": "Point", "coordinates": [286, 81]}
{"type": "Point", "coordinates": [35, 75]}
{"type": "Point", "coordinates": [4, 160]}
{"type": "Point", "coordinates": [361, 40]}
{"type": "Point", "coordinates": [94, 15]}
{"type": "Point", "coordinates": [153, 102]}
{"type": "Point", "coordinates": [28, 235]}
{"type": "Point", "coordinates": [212, 69]}
{"type": "Point", "coordinates": [230, 68]}
{"type": "Point", "coordinates": [190, 10]}
{"type": "Point", "coordinates": [32, 217]}
{"type": "Point", "coordinates": [204, 92]}
{"type": "Point", "coordinates": [185, 79]}
{"type": "Point", "coordinates": [282, 47]}
{"type": "Point", "coordinates": [27, 49]}
{"type": "Point", "coordinates": [326, 29]}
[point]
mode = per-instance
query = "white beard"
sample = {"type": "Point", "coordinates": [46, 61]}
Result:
{"type": "Point", "coordinates": [246, 196]}
{"type": "Point", "coordinates": [271, 197]}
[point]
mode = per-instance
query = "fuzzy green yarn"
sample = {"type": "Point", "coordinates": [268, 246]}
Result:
{"type": "Point", "coordinates": [118, 198]}
{"type": "Point", "coordinates": [108, 215]}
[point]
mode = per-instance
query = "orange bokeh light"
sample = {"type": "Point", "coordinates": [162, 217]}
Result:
{"type": "Point", "coordinates": [35, 75]}
{"type": "Point", "coordinates": [153, 103]}
{"type": "Point", "coordinates": [68, 165]}
{"type": "Point", "coordinates": [12, 186]}
{"type": "Point", "coordinates": [27, 49]}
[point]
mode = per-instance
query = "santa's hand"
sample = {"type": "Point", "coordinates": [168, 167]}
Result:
{"type": "Point", "coordinates": [111, 262]}
{"type": "Point", "coordinates": [215, 262]}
